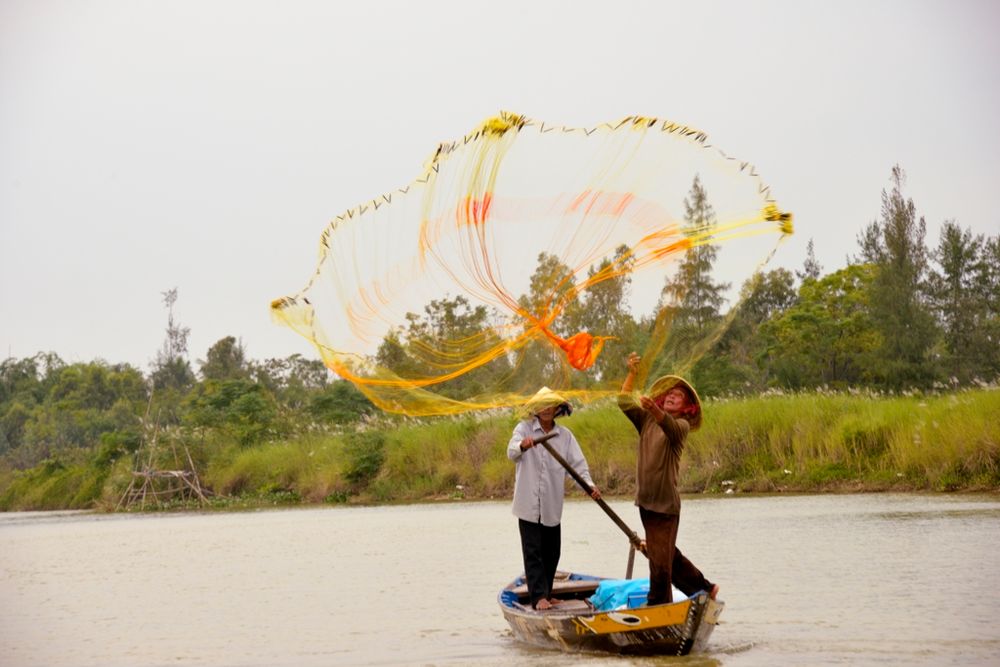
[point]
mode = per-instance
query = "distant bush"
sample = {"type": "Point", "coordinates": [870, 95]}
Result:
{"type": "Point", "coordinates": [364, 455]}
{"type": "Point", "coordinates": [340, 403]}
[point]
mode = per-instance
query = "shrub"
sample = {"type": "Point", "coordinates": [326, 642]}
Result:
{"type": "Point", "coordinates": [364, 455]}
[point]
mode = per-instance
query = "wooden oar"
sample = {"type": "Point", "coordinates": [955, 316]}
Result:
{"type": "Point", "coordinates": [632, 537]}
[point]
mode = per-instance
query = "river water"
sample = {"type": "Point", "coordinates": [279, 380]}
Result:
{"type": "Point", "coordinates": [807, 580]}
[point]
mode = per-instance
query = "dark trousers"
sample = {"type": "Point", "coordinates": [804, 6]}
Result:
{"type": "Point", "coordinates": [540, 548]}
{"type": "Point", "coordinates": [666, 562]}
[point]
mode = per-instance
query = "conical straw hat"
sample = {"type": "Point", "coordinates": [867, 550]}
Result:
{"type": "Point", "coordinates": [668, 382]}
{"type": "Point", "coordinates": [546, 398]}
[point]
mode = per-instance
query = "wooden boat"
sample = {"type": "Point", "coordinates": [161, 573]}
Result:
{"type": "Point", "coordinates": [574, 625]}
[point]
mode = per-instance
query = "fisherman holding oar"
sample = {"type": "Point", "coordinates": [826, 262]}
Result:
{"type": "Point", "coordinates": [539, 488]}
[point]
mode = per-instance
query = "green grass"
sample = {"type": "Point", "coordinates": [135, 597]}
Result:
{"type": "Point", "coordinates": [308, 468]}
{"type": "Point", "coordinates": [52, 486]}
{"type": "Point", "coordinates": [825, 440]}
{"type": "Point", "coordinates": [807, 442]}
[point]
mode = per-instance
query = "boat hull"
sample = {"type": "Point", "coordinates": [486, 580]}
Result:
{"type": "Point", "coordinates": [671, 629]}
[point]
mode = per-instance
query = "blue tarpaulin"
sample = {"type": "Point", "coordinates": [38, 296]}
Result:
{"type": "Point", "coordinates": [624, 593]}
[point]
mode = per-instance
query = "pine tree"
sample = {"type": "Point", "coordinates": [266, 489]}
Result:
{"type": "Point", "coordinates": [811, 269]}
{"type": "Point", "coordinates": [988, 291]}
{"type": "Point", "coordinates": [895, 246]}
{"type": "Point", "coordinates": [965, 298]}
{"type": "Point", "coordinates": [171, 369]}
{"type": "Point", "coordinates": [696, 297]}
{"type": "Point", "coordinates": [692, 302]}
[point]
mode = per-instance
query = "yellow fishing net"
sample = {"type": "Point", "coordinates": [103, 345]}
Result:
{"type": "Point", "coordinates": [521, 253]}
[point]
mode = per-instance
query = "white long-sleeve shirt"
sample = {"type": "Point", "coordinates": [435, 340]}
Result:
{"type": "Point", "coordinates": [540, 480]}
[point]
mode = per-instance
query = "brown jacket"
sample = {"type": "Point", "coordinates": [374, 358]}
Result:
{"type": "Point", "coordinates": [659, 459]}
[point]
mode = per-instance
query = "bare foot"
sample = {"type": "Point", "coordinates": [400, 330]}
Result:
{"type": "Point", "coordinates": [554, 602]}
{"type": "Point", "coordinates": [714, 592]}
{"type": "Point", "coordinates": [543, 604]}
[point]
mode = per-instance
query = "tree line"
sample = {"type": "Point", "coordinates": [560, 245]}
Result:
{"type": "Point", "coordinates": [900, 315]}
{"type": "Point", "coordinates": [51, 409]}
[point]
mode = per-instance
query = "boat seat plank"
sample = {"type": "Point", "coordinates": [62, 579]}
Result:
{"type": "Point", "coordinates": [564, 586]}
{"type": "Point", "coordinates": [573, 605]}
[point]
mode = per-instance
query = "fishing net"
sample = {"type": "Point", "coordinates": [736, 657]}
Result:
{"type": "Point", "coordinates": [528, 254]}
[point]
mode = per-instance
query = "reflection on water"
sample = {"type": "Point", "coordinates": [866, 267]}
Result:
{"type": "Point", "coordinates": [931, 515]}
{"type": "Point", "coordinates": [807, 580]}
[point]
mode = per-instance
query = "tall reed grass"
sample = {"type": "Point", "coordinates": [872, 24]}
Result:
{"type": "Point", "coordinates": [815, 441]}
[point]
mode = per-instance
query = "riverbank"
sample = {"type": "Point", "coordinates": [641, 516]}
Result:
{"type": "Point", "coordinates": [798, 443]}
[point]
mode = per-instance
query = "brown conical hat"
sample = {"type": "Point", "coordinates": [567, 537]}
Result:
{"type": "Point", "coordinates": [668, 382]}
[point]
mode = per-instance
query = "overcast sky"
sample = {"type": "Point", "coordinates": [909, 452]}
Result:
{"type": "Point", "coordinates": [205, 145]}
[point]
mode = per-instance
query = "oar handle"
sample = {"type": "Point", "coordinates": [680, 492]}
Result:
{"type": "Point", "coordinates": [632, 537]}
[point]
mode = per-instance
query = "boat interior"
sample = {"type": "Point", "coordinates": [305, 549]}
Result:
{"type": "Point", "coordinates": [570, 592]}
